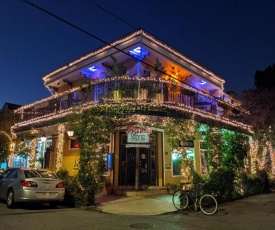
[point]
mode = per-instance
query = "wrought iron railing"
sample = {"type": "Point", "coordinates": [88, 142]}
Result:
{"type": "Point", "coordinates": [146, 90]}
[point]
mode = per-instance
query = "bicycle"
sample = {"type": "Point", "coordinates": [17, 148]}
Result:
{"type": "Point", "coordinates": [183, 198]}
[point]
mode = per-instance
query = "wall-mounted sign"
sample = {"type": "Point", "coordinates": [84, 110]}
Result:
{"type": "Point", "coordinates": [138, 138]}
{"type": "Point", "coordinates": [186, 143]}
{"type": "Point", "coordinates": [138, 134]}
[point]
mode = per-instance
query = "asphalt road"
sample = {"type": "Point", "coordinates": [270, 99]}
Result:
{"type": "Point", "coordinates": [253, 213]}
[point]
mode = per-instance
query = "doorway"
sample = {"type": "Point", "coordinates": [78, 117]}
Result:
{"type": "Point", "coordinates": [138, 165]}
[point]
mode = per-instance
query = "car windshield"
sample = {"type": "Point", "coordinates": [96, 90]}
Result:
{"type": "Point", "coordinates": [43, 174]}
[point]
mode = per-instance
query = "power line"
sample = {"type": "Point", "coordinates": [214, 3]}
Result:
{"type": "Point", "coordinates": [97, 38]}
{"type": "Point", "coordinates": [124, 21]}
{"type": "Point", "coordinates": [115, 16]}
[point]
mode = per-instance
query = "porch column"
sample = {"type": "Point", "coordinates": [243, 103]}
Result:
{"type": "Point", "coordinates": [11, 158]}
{"type": "Point", "coordinates": [137, 169]}
{"type": "Point", "coordinates": [60, 146]}
{"type": "Point", "coordinates": [33, 152]}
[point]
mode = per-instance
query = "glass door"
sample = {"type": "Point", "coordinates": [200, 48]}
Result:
{"type": "Point", "coordinates": [138, 165]}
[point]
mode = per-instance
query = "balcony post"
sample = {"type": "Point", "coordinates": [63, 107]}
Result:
{"type": "Point", "coordinates": [60, 146]}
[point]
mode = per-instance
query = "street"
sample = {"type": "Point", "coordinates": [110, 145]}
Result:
{"type": "Point", "coordinates": [253, 213]}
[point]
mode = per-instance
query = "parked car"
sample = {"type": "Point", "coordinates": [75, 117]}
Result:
{"type": "Point", "coordinates": [31, 185]}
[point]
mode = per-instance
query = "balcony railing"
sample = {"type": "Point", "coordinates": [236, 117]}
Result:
{"type": "Point", "coordinates": [146, 90]}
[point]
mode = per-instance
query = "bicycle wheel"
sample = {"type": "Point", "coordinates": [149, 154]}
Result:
{"type": "Point", "coordinates": [208, 204]}
{"type": "Point", "coordinates": [180, 200]}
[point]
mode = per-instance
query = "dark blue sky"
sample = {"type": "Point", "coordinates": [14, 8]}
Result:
{"type": "Point", "coordinates": [232, 38]}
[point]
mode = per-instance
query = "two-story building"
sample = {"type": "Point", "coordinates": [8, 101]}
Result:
{"type": "Point", "coordinates": [149, 82]}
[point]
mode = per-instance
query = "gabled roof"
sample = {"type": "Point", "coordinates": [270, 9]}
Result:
{"type": "Point", "coordinates": [123, 43]}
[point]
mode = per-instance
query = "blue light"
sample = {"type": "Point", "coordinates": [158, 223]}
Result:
{"type": "Point", "coordinates": [88, 72]}
{"type": "Point", "coordinates": [93, 69]}
{"type": "Point", "coordinates": [139, 53]}
{"type": "Point", "coordinates": [202, 82]}
{"type": "Point", "coordinates": [110, 160]}
{"type": "Point", "coordinates": [136, 50]}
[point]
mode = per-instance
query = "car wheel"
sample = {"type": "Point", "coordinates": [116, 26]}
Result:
{"type": "Point", "coordinates": [10, 199]}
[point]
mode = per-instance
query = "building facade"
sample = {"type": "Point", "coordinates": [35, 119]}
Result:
{"type": "Point", "coordinates": [147, 82]}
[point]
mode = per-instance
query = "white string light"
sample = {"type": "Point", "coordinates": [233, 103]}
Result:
{"type": "Point", "coordinates": [60, 146]}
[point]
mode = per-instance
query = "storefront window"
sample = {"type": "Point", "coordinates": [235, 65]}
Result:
{"type": "Point", "coordinates": [203, 159]}
{"type": "Point", "coordinates": [176, 163]}
{"type": "Point", "coordinates": [74, 144]}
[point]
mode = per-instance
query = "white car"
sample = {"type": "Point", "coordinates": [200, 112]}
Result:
{"type": "Point", "coordinates": [31, 185]}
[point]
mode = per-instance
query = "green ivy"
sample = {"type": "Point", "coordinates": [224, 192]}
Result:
{"type": "Point", "coordinates": [92, 130]}
{"type": "Point", "coordinates": [177, 129]}
{"type": "Point", "coordinates": [226, 149]}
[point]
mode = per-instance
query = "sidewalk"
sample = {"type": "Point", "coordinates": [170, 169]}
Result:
{"type": "Point", "coordinates": [138, 205]}
{"type": "Point", "coordinates": [160, 204]}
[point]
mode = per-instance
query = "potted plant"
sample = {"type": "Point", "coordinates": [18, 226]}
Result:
{"type": "Point", "coordinates": [144, 89]}
{"type": "Point", "coordinates": [116, 71]}
{"type": "Point", "coordinates": [158, 89]}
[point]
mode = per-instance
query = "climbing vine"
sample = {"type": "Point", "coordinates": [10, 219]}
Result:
{"type": "Point", "coordinates": [178, 130]}
{"type": "Point", "coordinates": [225, 149]}
{"type": "Point", "coordinates": [92, 130]}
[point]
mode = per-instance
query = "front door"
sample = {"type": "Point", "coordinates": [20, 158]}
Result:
{"type": "Point", "coordinates": [138, 174]}
{"type": "Point", "coordinates": [138, 165]}
{"type": "Point", "coordinates": [143, 167]}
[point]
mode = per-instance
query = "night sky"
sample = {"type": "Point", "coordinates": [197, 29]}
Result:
{"type": "Point", "coordinates": [232, 38]}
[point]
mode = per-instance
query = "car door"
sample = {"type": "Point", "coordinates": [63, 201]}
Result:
{"type": "Point", "coordinates": [3, 184]}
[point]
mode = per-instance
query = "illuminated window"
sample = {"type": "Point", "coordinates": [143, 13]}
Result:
{"type": "Point", "coordinates": [74, 144]}
{"type": "Point", "coordinates": [176, 163]}
{"type": "Point", "coordinates": [203, 158]}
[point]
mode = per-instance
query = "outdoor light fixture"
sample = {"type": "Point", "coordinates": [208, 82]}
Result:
{"type": "Point", "coordinates": [139, 53]}
{"type": "Point", "coordinates": [202, 82]}
{"type": "Point", "coordinates": [70, 133]}
{"type": "Point", "coordinates": [43, 139]}
{"type": "Point", "coordinates": [93, 69]}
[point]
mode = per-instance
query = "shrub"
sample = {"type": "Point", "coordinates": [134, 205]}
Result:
{"type": "Point", "coordinates": [254, 184]}
{"type": "Point", "coordinates": [264, 181]}
{"type": "Point", "coordinates": [197, 179]}
{"type": "Point", "coordinates": [220, 183]}
{"type": "Point", "coordinates": [73, 192]}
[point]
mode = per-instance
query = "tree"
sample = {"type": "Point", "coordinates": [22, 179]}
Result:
{"type": "Point", "coordinates": [7, 119]}
{"type": "Point", "coordinates": [261, 107]}
{"type": "Point", "coordinates": [117, 69]}
{"type": "Point", "coordinates": [260, 103]}
{"type": "Point", "coordinates": [265, 79]}
{"type": "Point", "coordinates": [4, 147]}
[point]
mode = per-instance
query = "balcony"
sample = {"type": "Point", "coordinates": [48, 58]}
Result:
{"type": "Point", "coordinates": [133, 91]}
